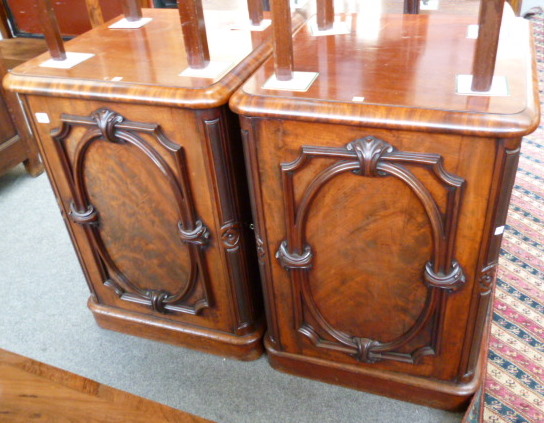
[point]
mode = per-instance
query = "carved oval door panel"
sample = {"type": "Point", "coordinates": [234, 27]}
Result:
{"type": "Point", "coordinates": [367, 238]}
{"type": "Point", "coordinates": [147, 203]}
{"type": "Point", "coordinates": [137, 213]}
{"type": "Point", "coordinates": [370, 241]}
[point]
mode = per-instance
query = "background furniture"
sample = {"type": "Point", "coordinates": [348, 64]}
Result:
{"type": "Point", "coordinates": [380, 194]}
{"type": "Point", "coordinates": [32, 390]}
{"type": "Point", "coordinates": [16, 141]}
{"type": "Point", "coordinates": [74, 17]}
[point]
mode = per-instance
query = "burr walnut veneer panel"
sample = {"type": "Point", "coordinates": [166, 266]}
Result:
{"type": "Point", "coordinates": [378, 220]}
{"type": "Point", "coordinates": [148, 170]}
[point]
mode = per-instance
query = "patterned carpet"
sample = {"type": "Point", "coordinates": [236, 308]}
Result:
{"type": "Point", "coordinates": [513, 390]}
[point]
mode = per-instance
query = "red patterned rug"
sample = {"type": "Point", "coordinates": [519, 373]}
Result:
{"type": "Point", "coordinates": [513, 390]}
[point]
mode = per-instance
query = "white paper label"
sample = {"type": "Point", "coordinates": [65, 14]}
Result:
{"type": "Point", "coordinates": [499, 87]}
{"type": "Point", "coordinates": [42, 118]}
{"type": "Point", "coordinates": [72, 59]}
{"type": "Point", "coordinates": [428, 5]}
{"type": "Point", "coordinates": [499, 230]}
{"type": "Point", "coordinates": [472, 31]}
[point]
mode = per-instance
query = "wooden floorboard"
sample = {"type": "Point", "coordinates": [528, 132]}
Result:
{"type": "Point", "coordinates": [31, 391]}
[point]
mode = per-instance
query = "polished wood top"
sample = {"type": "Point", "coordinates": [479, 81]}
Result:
{"type": "Point", "coordinates": [36, 392]}
{"type": "Point", "coordinates": [405, 67]}
{"type": "Point", "coordinates": [149, 61]}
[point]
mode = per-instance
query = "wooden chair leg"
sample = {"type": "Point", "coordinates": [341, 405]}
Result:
{"type": "Point", "coordinates": [194, 33]}
{"type": "Point", "coordinates": [411, 7]}
{"type": "Point", "coordinates": [255, 8]}
{"type": "Point", "coordinates": [485, 54]}
{"type": "Point", "coordinates": [325, 14]}
{"type": "Point", "coordinates": [33, 163]}
{"type": "Point", "coordinates": [283, 43]}
{"type": "Point", "coordinates": [51, 30]}
{"type": "Point", "coordinates": [34, 166]}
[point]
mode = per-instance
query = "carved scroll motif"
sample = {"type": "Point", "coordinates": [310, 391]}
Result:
{"type": "Point", "coordinates": [291, 260]}
{"type": "Point", "coordinates": [200, 235]}
{"type": "Point", "coordinates": [373, 157]}
{"type": "Point", "coordinates": [230, 236]}
{"type": "Point", "coordinates": [105, 124]}
{"type": "Point", "coordinates": [487, 278]}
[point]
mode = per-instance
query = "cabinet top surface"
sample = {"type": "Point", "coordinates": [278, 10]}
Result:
{"type": "Point", "coordinates": [401, 71]}
{"type": "Point", "coordinates": [145, 64]}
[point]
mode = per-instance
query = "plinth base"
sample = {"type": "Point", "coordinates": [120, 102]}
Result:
{"type": "Point", "coordinates": [246, 348]}
{"type": "Point", "coordinates": [432, 393]}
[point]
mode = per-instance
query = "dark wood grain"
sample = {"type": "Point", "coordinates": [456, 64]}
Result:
{"type": "Point", "coordinates": [283, 44]}
{"type": "Point", "coordinates": [132, 10]}
{"type": "Point", "coordinates": [325, 14]}
{"type": "Point", "coordinates": [51, 30]}
{"type": "Point", "coordinates": [194, 33]}
{"type": "Point", "coordinates": [35, 391]}
{"type": "Point", "coordinates": [485, 54]}
{"type": "Point", "coordinates": [255, 8]}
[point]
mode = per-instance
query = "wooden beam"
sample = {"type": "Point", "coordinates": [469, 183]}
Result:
{"type": "Point", "coordinates": [194, 33]}
{"type": "Point", "coordinates": [283, 43]}
{"type": "Point", "coordinates": [487, 43]}
{"type": "Point", "coordinates": [51, 30]}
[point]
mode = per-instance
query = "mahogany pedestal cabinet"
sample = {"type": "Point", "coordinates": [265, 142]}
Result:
{"type": "Point", "coordinates": [380, 196]}
{"type": "Point", "coordinates": [147, 166]}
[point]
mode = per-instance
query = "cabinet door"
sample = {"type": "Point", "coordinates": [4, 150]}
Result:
{"type": "Point", "coordinates": [369, 247]}
{"type": "Point", "coordinates": [130, 191]}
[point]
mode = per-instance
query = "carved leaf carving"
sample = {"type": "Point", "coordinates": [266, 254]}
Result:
{"type": "Point", "coordinates": [106, 120]}
{"type": "Point", "coordinates": [369, 152]}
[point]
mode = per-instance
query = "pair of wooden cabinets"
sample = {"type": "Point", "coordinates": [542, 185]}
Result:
{"type": "Point", "coordinates": [379, 194]}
